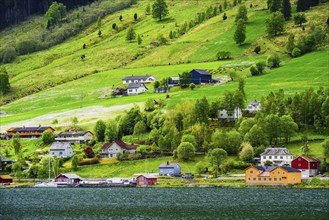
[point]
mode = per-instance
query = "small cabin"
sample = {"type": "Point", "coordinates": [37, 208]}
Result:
{"type": "Point", "coordinates": [68, 178]}
{"type": "Point", "coordinates": [6, 179]}
{"type": "Point", "coordinates": [146, 179]}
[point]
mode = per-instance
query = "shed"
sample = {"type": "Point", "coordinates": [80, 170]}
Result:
{"type": "Point", "coordinates": [309, 166]}
{"type": "Point", "coordinates": [146, 179]}
{"type": "Point", "coordinates": [6, 179]}
{"type": "Point", "coordinates": [171, 169]}
{"type": "Point", "coordinates": [4, 161]}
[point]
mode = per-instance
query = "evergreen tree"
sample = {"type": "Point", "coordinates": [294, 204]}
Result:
{"type": "Point", "coordinates": [159, 9]}
{"type": "Point", "coordinates": [275, 5]}
{"type": "Point", "coordinates": [291, 43]}
{"type": "Point", "coordinates": [139, 40]}
{"type": "Point", "coordinates": [240, 32]}
{"type": "Point", "coordinates": [224, 17]}
{"type": "Point", "coordinates": [302, 5]}
{"type": "Point", "coordinates": [135, 16]}
{"type": "Point", "coordinates": [112, 131]}
{"type": "Point", "coordinates": [148, 9]}
{"type": "Point", "coordinates": [286, 9]}
{"type": "Point", "coordinates": [16, 143]}
{"type": "Point", "coordinates": [99, 23]}
{"type": "Point", "coordinates": [4, 81]}
{"type": "Point", "coordinates": [299, 19]}
{"type": "Point", "coordinates": [131, 35]}
{"type": "Point", "coordinates": [201, 110]}
{"type": "Point", "coordinates": [100, 130]}
{"type": "Point", "coordinates": [275, 24]}
{"type": "Point", "coordinates": [75, 162]}
{"type": "Point", "coordinates": [55, 13]}
{"type": "Point", "coordinates": [225, 4]}
{"type": "Point", "coordinates": [220, 8]}
{"type": "Point", "coordinates": [242, 14]}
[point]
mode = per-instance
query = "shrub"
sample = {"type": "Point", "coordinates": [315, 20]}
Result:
{"type": "Point", "coordinates": [27, 46]}
{"type": "Point", "coordinates": [192, 86]}
{"type": "Point", "coordinates": [257, 49]}
{"type": "Point", "coordinates": [254, 71]}
{"type": "Point", "coordinates": [185, 151]}
{"type": "Point", "coordinates": [88, 162]}
{"type": "Point", "coordinates": [296, 52]}
{"type": "Point", "coordinates": [223, 55]}
{"type": "Point", "coordinates": [273, 61]}
{"type": "Point", "coordinates": [48, 137]}
{"type": "Point", "coordinates": [260, 67]}
{"type": "Point", "coordinates": [8, 54]}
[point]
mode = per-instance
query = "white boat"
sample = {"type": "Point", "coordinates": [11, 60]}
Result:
{"type": "Point", "coordinates": [46, 185]}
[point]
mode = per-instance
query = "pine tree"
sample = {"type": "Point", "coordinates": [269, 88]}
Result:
{"type": "Point", "coordinates": [275, 5]}
{"type": "Point", "coordinates": [4, 81]}
{"type": "Point", "coordinates": [302, 5]}
{"type": "Point", "coordinates": [139, 40]}
{"type": "Point", "coordinates": [291, 43]}
{"type": "Point", "coordinates": [131, 35]}
{"type": "Point", "coordinates": [240, 32]}
{"type": "Point", "coordinates": [242, 14]}
{"type": "Point", "coordinates": [286, 9]}
{"type": "Point", "coordinates": [225, 4]}
{"type": "Point", "coordinates": [159, 9]}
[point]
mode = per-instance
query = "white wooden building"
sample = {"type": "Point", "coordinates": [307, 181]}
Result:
{"type": "Point", "coordinates": [138, 79]}
{"type": "Point", "coordinates": [278, 156]}
{"type": "Point", "coordinates": [136, 88]}
{"type": "Point", "coordinates": [118, 146]}
{"type": "Point", "coordinates": [230, 115]}
{"type": "Point", "coordinates": [78, 137]}
{"type": "Point", "coordinates": [61, 150]}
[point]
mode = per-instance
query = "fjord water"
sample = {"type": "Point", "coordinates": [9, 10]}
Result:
{"type": "Point", "coordinates": [163, 203]}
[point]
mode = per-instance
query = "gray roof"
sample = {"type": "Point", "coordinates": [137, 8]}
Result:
{"type": "Point", "coordinates": [254, 103]}
{"type": "Point", "coordinates": [73, 133]}
{"type": "Point", "coordinates": [276, 151]}
{"type": "Point", "coordinates": [60, 146]}
{"type": "Point", "coordinates": [3, 158]}
{"type": "Point", "coordinates": [168, 165]}
{"type": "Point", "coordinates": [137, 77]}
{"type": "Point", "coordinates": [135, 85]}
{"type": "Point", "coordinates": [148, 176]}
{"type": "Point", "coordinates": [33, 129]}
{"type": "Point", "coordinates": [71, 175]}
{"type": "Point", "coordinates": [202, 72]}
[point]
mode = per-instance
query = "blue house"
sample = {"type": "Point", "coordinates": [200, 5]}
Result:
{"type": "Point", "coordinates": [171, 169]}
{"type": "Point", "coordinates": [200, 76]}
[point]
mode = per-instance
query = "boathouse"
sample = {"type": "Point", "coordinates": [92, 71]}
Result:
{"type": "Point", "coordinates": [146, 179]}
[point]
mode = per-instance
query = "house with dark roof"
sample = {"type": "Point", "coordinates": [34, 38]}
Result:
{"type": "Point", "coordinates": [138, 79]}
{"type": "Point", "coordinates": [272, 175]}
{"type": "Point", "coordinates": [28, 132]}
{"type": "Point", "coordinates": [4, 162]}
{"type": "Point", "coordinates": [170, 169]}
{"type": "Point", "coordinates": [136, 88]}
{"type": "Point", "coordinates": [309, 166]}
{"type": "Point", "coordinates": [110, 150]}
{"type": "Point", "coordinates": [278, 156]}
{"type": "Point", "coordinates": [61, 150]}
{"type": "Point", "coordinates": [79, 137]}
{"type": "Point", "coordinates": [253, 107]}
{"type": "Point", "coordinates": [200, 76]}
{"type": "Point", "coordinates": [68, 179]}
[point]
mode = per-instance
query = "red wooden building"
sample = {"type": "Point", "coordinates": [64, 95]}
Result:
{"type": "Point", "coordinates": [146, 179]}
{"type": "Point", "coordinates": [28, 132]}
{"type": "Point", "coordinates": [6, 179]}
{"type": "Point", "coordinates": [307, 165]}
{"type": "Point", "coordinates": [67, 178]}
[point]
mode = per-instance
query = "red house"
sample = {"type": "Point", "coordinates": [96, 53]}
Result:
{"type": "Point", "coordinates": [146, 179]}
{"type": "Point", "coordinates": [67, 178]}
{"type": "Point", "coordinates": [308, 165]}
{"type": "Point", "coordinates": [6, 179]}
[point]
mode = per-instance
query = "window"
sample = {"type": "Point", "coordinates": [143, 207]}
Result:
{"type": "Point", "coordinates": [270, 157]}
{"type": "Point", "coordinates": [281, 157]}
{"type": "Point", "coordinates": [264, 157]}
{"type": "Point", "coordinates": [279, 179]}
{"type": "Point", "coordinates": [251, 171]}
{"type": "Point", "coordinates": [278, 172]}
{"type": "Point", "coordinates": [299, 165]}
{"type": "Point", "coordinates": [264, 178]}
{"type": "Point", "coordinates": [275, 157]}
{"type": "Point", "coordinates": [269, 179]}
{"type": "Point", "coordinates": [274, 179]}
{"type": "Point", "coordinates": [259, 178]}
{"type": "Point", "coordinates": [249, 178]}
{"type": "Point", "coordinates": [254, 178]}
{"type": "Point", "coordinates": [299, 159]}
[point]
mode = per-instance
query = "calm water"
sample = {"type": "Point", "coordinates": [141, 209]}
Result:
{"type": "Point", "coordinates": [164, 203]}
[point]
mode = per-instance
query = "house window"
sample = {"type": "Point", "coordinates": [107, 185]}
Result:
{"type": "Point", "coordinates": [275, 157]}
{"type": "Point", "coordinates": [264, 178]}
{"type": "Point", "coordinates": [251, 171]}
{"type": "Point", "coordinates": [299, 165]}
{"type": "Point", "coordinates": [274, 179]}
{"type": "Point", "coordinates": [254, 178]}
{"type": "Point", "coordinates": [270, 157]}
{"type": "Point", "coordinates": [281, 157]}
{"type": "Point", "coordinates": [299, 159]}
{"type": "Point", "coordinates": [278, 172]}
{"type": "Point", "coordinates": [249, 178]}
{"type": "Point", "coordinates": [259, 178]}
{"type": "Point", "coordinates": [279, 179]}
{"type": "Point", "coordinates": [269, 179]}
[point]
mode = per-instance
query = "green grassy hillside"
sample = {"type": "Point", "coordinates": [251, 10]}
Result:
{"type": "Point", "coordinates": [109, 58]}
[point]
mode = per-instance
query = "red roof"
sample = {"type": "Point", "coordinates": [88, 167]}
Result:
{"type": "Point", "coordinates": [309, 159]}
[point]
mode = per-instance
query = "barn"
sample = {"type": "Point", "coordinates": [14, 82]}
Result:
{"type": "Point", "coordinates": [309, 166]}
{"type": "Point", "coordinates": [146, 179]}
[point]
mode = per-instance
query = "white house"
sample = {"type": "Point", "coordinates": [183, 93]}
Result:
{"type": "Point", "coordinates": [118, 146]}
{"type": "Point", "coordinates": [61, 150]}
{"type": "Point", "coordinates": [138, 79]}
{"type": "Point", "coordinates": [79, 137]}
{"type": "Point", "coordinates": [230, 115]}
{"type": "Point", "coordinates": [136, 88]}
{"type": "Point", "coordinates": [253, 106]}
{"type": "Point", "coordinates": [278, 156]}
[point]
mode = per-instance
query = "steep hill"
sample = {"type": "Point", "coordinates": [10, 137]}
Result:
{"type": "Point", "coordinates": [80, 82]}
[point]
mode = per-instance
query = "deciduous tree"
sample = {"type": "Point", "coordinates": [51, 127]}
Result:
{"type": "Point", "coordinates": [275, 24]}
{"type": "Point", "coordinates": [240, 32]}
{"type": "Point", "coordinates": [286, 9]}
{"type": "Point", "coordinates": [247, 152]}
{"type": "Point", "coordinates": [4, 81]}
{"type": "Point", "coordinates": [160, 9]}
{"type": "Point", "coordinates": [100, 130]}
{"type": "Point", "coordinates": [185, 151]}
{"type": "Point", "coordinates": [217, 157]}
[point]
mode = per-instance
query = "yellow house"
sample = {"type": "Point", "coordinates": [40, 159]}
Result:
{"type": "Point", "coordinates": [259, 175]}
